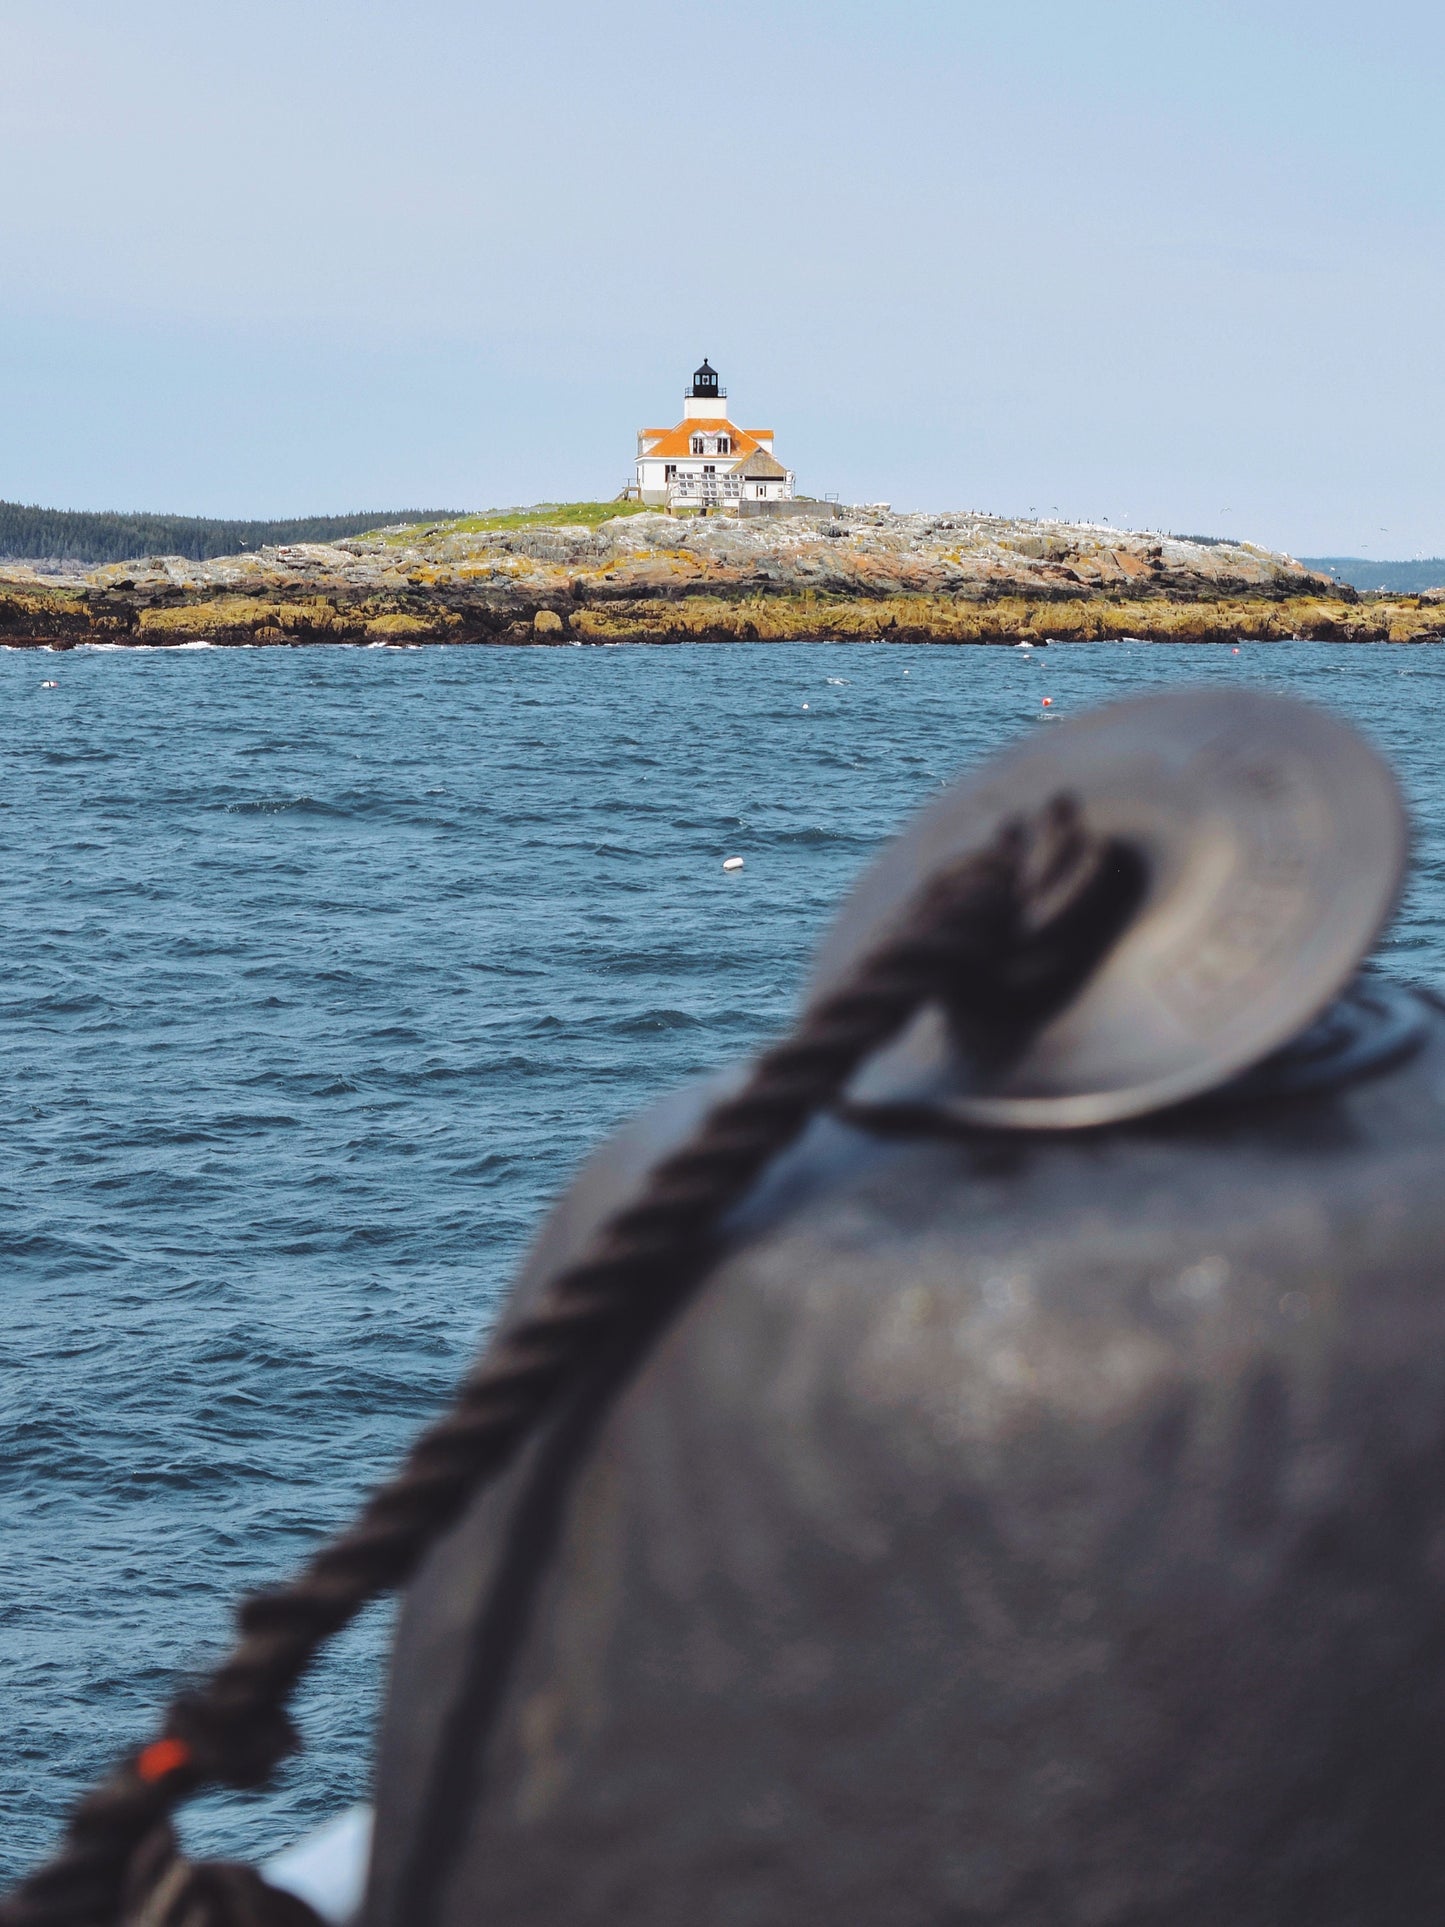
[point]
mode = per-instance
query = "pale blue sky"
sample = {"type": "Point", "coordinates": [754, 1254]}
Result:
{"type": "Point", "coordinates": [1177, 262]}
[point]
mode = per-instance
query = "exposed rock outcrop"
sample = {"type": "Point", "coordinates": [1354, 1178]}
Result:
{"type": "Point", "coordinates": [861, 574]}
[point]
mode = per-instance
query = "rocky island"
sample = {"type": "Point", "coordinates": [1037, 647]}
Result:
{"type": "Point", "coordinates": [610, 573]}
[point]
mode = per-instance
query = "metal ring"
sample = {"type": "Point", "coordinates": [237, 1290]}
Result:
{"type": "Point", "coordinates": [1275, 840]}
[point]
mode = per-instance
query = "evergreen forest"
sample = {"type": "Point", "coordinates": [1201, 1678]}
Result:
{"type": "Point", "coordinates": [67, 535]}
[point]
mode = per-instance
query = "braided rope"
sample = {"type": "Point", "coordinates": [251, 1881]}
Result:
{"type": "Point", "coordinates": [1004, 937]}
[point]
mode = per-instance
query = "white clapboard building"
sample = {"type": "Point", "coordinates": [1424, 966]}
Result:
{"type": "Point", "coordinates": [707, 461]}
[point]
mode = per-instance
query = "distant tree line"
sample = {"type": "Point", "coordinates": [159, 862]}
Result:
{"type": "Point", "coordinates": [66, 535]}
{"type": "Point", "coordinates": [1396, 578]}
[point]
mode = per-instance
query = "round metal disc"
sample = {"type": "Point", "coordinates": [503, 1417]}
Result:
{"type": "Point", "coordinates": [1274, 839]}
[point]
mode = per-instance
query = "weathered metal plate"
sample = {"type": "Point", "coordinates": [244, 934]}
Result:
{"type": "Point", "coordinates": [1275, 840]}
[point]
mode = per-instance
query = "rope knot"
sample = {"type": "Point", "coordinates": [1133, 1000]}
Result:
{"type": "Point", "coordinates": [1005, 937]}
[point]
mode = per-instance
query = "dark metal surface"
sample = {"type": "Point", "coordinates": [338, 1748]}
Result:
{"type": "Point", "coordinates": [1033, 1531]}
{"type": "Point", "coordinates": [1373, 1026]}
{"type": "Point", "coordinates": [1275, 843]}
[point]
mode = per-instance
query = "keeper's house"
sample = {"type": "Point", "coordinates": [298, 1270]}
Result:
{"type": "Point", "coordinates": [707, 461]}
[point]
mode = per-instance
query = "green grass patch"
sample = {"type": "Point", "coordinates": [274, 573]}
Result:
{"type": "Point", "coordinates": [542, 515]}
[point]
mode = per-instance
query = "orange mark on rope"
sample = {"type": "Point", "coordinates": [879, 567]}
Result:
{"type": "Point", "coordinates": [162, 1757]}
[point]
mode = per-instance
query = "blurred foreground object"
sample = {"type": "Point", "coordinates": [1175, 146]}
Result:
{"type": "Point", "coordinates": [1021, 1523]}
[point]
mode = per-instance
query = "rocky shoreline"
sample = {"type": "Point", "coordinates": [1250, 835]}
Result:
{"type": "Point", "coordinates": [846, 574]}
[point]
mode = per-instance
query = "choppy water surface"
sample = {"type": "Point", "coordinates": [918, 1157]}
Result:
{"type": "Point", "coordinates": [321, 970]}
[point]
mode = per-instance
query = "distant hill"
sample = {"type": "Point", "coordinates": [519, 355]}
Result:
{"type": "Point", "coordinates": [1398, 578]}
{"type": "Point", "coordinates": [65, 535]}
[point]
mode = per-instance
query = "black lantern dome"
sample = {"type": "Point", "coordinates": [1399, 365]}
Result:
{"type": "Point", "coordinates": [704, 382]}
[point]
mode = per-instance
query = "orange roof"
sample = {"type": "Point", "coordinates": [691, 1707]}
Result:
{"type": "Point", "coordinates": [678, 441]}
{"type": "Point", "coordinates": [763, 434]}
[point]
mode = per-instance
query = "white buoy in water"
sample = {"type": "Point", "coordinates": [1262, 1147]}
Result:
{"type": "Point", "coordinates": [732, 863]}
{"type": "Point", "coordinates": [56, 685]}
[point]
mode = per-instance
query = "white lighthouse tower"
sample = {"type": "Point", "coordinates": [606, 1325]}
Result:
{"type": "Point", "coordinates": [706, 460]}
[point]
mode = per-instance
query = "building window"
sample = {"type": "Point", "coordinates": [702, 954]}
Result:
{"type": "Point", "coordinates": [697, 445]}
{"type": "Point", "coordinates": [709, 468]}
{"type": "Point", "coordinates": [669, 471]}
{"type": "Point", "coordinates": [724, 445]}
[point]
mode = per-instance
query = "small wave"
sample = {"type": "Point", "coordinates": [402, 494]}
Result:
{"type": "Point", "coordinates": [644, 1022]}
{"type": "Point", "coordinates": [664, 960]}
{"type": "Point", "coordinates": [303, 805]}
{"type": "Point", "coordinates": [44, 1257]}
{"type": "Point", "coordinates": [67, 1003]}
{"type": "Point", "coordinates": [816, 836]}
{"type": "Point", "coordinates": [492, 1164]}
{"type": "Point", "coordinates": [516, 1064]}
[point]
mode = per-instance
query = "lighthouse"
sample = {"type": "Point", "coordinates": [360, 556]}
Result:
{"type": "Point", "coordinates": [706, 460]}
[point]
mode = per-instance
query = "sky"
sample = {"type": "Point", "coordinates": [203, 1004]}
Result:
{"type": "Point", "coordinates": [1168, 263]}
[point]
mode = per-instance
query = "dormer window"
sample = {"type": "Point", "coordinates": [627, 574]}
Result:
{"type": "Point", "coordinates": [724, 445]}
{"type": "Point", "coordinates": [697, 447]}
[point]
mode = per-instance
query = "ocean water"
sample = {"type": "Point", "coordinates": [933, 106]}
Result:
{"type": "Point", "coordinates": [321, 971]}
